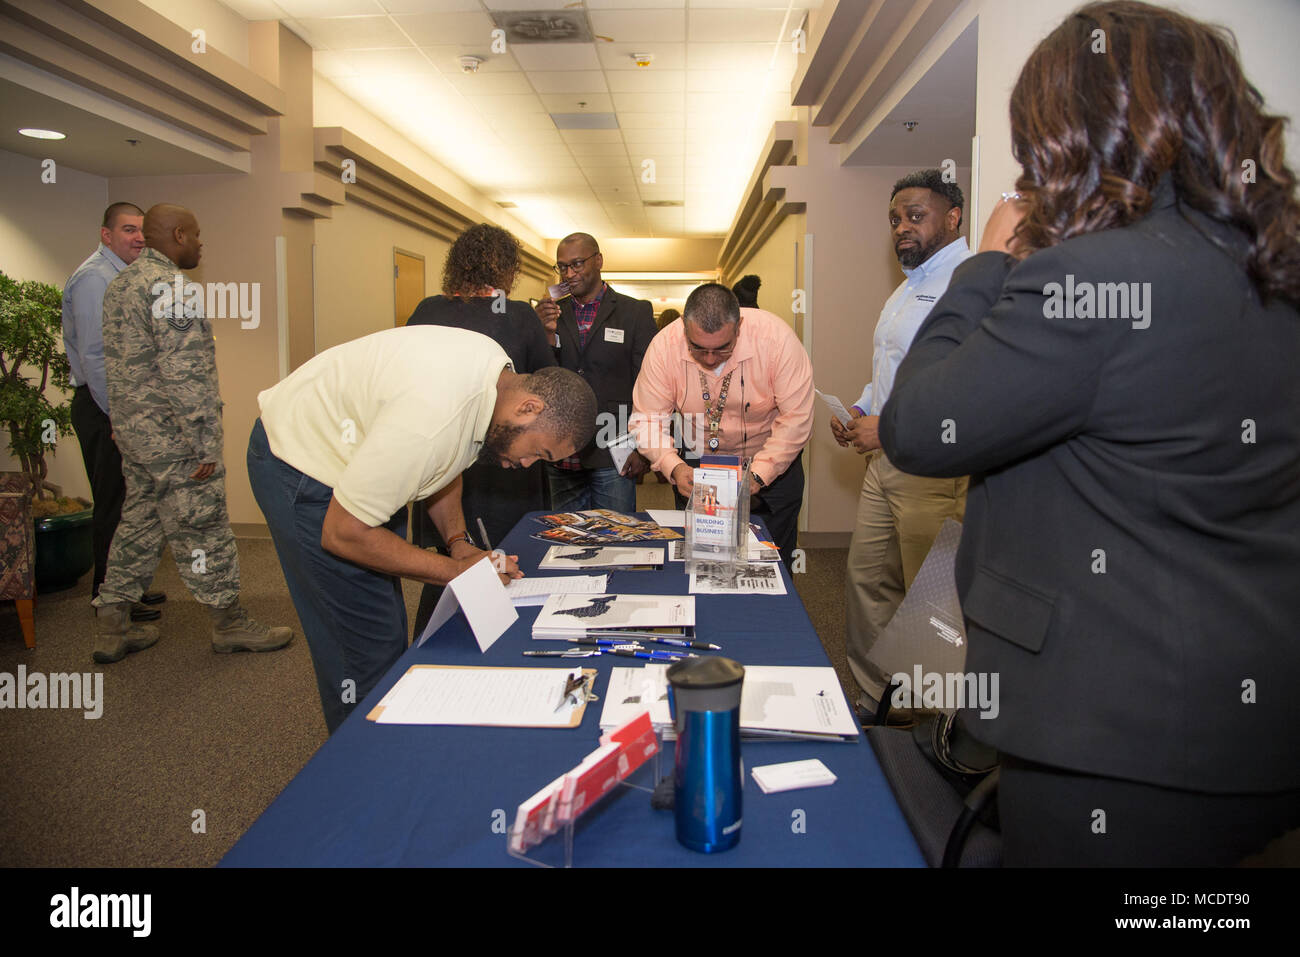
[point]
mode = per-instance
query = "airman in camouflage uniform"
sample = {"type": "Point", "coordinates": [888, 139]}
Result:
{"type": "Point", "coordinates": [161, 369]}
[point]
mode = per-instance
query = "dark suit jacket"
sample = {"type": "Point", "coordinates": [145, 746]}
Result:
{"type": "Point", "coordinates": [610, 362]}
{"type": "Point", "coordinates": [1130, 562]}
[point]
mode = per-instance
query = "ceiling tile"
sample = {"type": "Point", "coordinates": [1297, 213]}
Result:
{"type": "Point", "coordinates": [445, 56]}
{"type": "Point", "coordinates": [585, 150]}
{"type": "Point", "coordinates": [353, 33]}
{"type": "Point", "coordinates": [507, 105]}
{"type": "Point", "coordinates": [384, 62]}
{"type": "Point", "coordinates": [491, 84]}
{"type": "Point", "coordinates": [569, 103]}
{"type": "Point", "coordinates": [568, 81]}
{"type": "Point", "coordinates": [592, 136]}
{"type": "Point", "coordinates": [648, 80]}
{"type": "Point", "coordinates": [653, 121]}
{"type": "Point", "coordinates": [435, 29]}
{"type": "Point", "coordinates": [735, 24]}
{"type": "Point", "coordinates": [320, 9]}
{"type": "Point", "coordinates": [618, 56]}
{"type": "Point", "coordinates": [524, 121]}
{"type": "Point", "coordinates": [658, 139]}
{"type": "Point", "coordinates": [330, 64]}
{"type": "Point", "coordinates": [728, 56]}
{"type": "Point", "coordinates": [648, 102]}
{"type": "Point", "coordinates": [634, 4]}
{"type": "Point", "coordinates": [730, 81]}
{"type": "Point", "coordinates": [424, 6]}
{"type": "Point", "coordinates": [624, 26]}
{"type": "Point", "coordinates": [556, 56]}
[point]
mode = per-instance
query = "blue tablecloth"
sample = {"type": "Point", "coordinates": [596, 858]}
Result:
{"type": "Point", "coordinates": [397, 795]}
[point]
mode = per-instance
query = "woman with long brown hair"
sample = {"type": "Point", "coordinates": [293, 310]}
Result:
{"type": "Point", "coordinates": [1116, 370]}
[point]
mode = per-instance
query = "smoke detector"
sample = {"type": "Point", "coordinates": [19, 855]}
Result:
{"type": "Point", "coordinates": [470, 64]}
{"type": "Point", "coordinates": [643, 59]}
{"type": "Point", "coordinates": [910, 125]}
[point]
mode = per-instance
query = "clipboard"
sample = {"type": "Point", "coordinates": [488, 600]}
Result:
{"type": "Point", "coordinates": [409, 697]}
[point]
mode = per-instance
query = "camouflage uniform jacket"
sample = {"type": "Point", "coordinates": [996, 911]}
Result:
{"type": "Point", "coordinates": [161, 365]}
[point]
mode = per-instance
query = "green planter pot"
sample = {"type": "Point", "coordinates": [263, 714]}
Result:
{"type": "Point", "coordinates": [65, 550]}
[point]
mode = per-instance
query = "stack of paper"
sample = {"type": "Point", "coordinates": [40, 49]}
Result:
{"type": "Point", "coordinates": [793, 775]}
{"type": "Point", "coordinates": [580, 616]}
{"type": "Point", "coordinates": [534, 591]}
{"type": "Point", "coordinates": [587, 557]}
{"type": "Point", "coordinates": [600, 526]}
{"type": "Point", "coordinates": [775, 702]}
{"type": "Point", "coordinates": [752, 578]}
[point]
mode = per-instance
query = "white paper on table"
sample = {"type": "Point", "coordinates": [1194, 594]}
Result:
{"type": "Point", "coordinates": [633, 690]}
{"type": "Point", "coordinates": [621, 449]}
{"type": "Point", "coordinates": [752, 578]}
{"type": "Point", "coordinates": [533, 591]}
{"type": "Point", "coordinates": [477, 592]}
{"type": "Point", "coordinates": [837, 407]}
{"type": "Point", "coordinates": [792, 775]}
{"type": "Point", "coordinates": [500, 697]}
{"type": "Point", "coordinates": [795, 699]}
{"type": "Point", "coordinates": [668, 518]}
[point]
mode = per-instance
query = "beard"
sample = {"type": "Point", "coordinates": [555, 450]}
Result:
{"type": "Point", "coordinates": [497, 443]}
{"type": "Point", "coordinates": [912, 257]}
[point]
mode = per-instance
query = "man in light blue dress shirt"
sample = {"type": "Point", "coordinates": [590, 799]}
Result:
{"type": "Point", "coordinates": [899, 515]}
{"type": "Point", "coordinates": [121, 238]}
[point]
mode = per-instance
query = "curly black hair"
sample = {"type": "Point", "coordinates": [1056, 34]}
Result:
{"type": "Point", "coordinates": [483, 256]}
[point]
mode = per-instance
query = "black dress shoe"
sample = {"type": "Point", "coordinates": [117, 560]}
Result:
{"type": "Point", "coordinates": [153, 598]}
{"type": "Point", "coordinates": [141, 612]}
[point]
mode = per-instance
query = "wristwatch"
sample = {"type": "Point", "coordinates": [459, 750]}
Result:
{"type": "Point", "coordinates": [759, 479]}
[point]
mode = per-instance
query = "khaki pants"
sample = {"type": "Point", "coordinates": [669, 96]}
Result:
{"type": "Point", "coordinates": [899, 516]}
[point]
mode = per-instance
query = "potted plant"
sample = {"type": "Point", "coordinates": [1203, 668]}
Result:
{"type": "Point", "coordinates": [31, 359]}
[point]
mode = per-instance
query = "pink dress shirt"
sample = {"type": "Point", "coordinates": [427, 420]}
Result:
{"type": "Point", "coordinates": [769, 413]}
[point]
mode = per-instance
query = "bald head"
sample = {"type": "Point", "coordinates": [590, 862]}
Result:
{"type": "Point", "coordinates": [582, 243]}
{"type": "Point", "coordinates": [173, 231]}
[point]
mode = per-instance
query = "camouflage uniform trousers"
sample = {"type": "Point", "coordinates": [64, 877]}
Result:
{"type": "Point", "coordinates": [164, 504]}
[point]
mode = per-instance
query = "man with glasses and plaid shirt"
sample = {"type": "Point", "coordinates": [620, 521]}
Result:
{"type": "Point", "coordinates": [602, 335]}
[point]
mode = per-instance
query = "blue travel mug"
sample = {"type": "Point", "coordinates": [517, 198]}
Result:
{"type": "Point", "coordinates": [704, 695]}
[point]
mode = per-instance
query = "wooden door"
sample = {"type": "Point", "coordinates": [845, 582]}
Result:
{"type": "Point", "coordinates": [408, 285]}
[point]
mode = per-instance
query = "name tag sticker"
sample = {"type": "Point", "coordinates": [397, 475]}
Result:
{"type": "Point", "coordinates": [613, 335]}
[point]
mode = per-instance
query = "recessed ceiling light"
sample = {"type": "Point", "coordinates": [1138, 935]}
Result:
{"type": "Point", "coordinates": [38, 134]}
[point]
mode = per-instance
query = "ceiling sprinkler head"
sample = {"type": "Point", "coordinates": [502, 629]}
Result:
{"type": "Point", "coordinates": [470, 64]}
{"type": "Point", "coordinates": [910, 125]}
{"type": "Point", "coordinates": [642, 59]}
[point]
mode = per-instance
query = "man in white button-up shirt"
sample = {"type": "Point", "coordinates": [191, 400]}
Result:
{"type": "Point", "coordinates": [899, 515]}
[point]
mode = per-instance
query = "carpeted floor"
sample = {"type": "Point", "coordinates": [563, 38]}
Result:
{"type": "Point", "coordinates": [192, 746]}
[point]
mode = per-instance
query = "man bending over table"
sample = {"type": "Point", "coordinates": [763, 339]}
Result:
{"type": "Point", "coordinates": [352, 436]}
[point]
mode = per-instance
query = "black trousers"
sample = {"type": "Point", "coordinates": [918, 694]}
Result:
{"type": "Point", "coordinates": [1055, 818]}
{"type": "Point", "coordinates": [104, 469]}
{"type": "Point", "coordinates": [778, 504]}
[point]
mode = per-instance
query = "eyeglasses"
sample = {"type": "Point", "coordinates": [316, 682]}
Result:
{"type": "Point", "coordinates": [576, 265]}
{"type": "Point", "coordinates": [723, 353]}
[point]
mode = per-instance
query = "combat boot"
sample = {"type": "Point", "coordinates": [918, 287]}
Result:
{"type": "Point", "coordinates": [116, 636]}
{"type": "Point", "coordinates": [234, 630]}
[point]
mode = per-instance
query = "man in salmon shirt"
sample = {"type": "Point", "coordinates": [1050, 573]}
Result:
{"type": "Point", "coordinates": [744, 386]}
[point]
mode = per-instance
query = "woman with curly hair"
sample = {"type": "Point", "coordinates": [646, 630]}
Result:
{"type": "Point", "coordinates": [1116, 369]}
{"type": "Point", "coordinates": [478, 274]}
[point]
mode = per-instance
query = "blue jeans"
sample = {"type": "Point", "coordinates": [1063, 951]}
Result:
{"type": "Point", "coordinates": [354, 618]}
{"type": "Point", "coordinates": [575, 490]}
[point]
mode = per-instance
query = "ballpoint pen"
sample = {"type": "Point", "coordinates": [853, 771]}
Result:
{"type": "Point", "coordinates": [567, 653]}
{"type": "Point", "coordinates": [684, 643]}
{"type": "Point", "coordinates": [647, 655]}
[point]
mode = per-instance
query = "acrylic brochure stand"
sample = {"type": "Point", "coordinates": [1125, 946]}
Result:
{"type": "Point", "coordinates": [717, 515]}
{"type": "Point", "coordinates": [558, 807]}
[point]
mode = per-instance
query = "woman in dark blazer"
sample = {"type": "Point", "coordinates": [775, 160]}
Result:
{"type": "Point", "coordinates": [1116, 370]}
{"type": "Point", "coordinates": [477, 276]}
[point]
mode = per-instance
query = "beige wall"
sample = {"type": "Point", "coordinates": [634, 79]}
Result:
{"type": "Point", "coordinates": [687, 254]}
{"type": "Point", "coordinates": [46, 231]}
{"type": "Point", "coordinates": [779, 263]}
